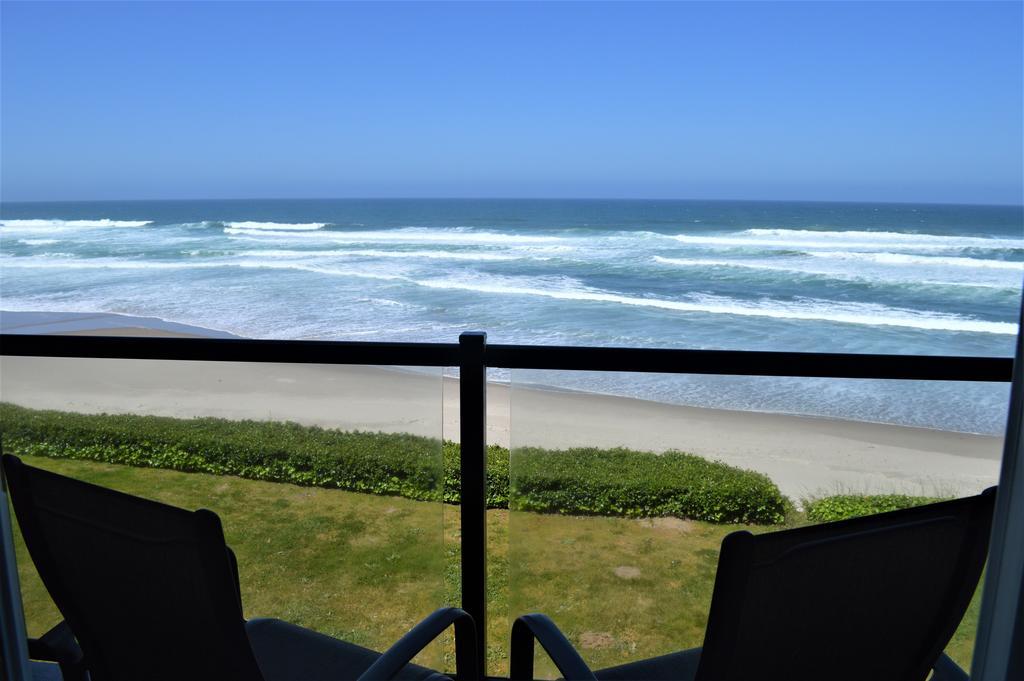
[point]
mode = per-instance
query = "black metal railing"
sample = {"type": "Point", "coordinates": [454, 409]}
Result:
{"type": "Point", "coordinates": [474, 356]}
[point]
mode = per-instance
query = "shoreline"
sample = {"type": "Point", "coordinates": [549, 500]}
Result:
{"type": "Point", "coordinates": [540, 387]}
{"type": "Point", "coordinates": [100, 324]}
{"type": "Point", "coordinates": [803, 455]}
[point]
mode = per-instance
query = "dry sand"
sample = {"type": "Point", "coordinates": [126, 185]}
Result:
{"type": "Point", "coordinates": [803, 455]}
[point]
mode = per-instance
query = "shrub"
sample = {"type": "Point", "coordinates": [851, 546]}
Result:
{"type": "Point", "coordinates": [497, 474]}
{"type": "Point", "coordinates": [377, 463]}
{"type": "Point", "coordinates": [843, 506]}
{"type": "Point", "coordinates": [624, 482]}
{"type": "Point", "coordinates": [576, 481]}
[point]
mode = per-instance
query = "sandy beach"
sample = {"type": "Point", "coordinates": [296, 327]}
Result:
{"type": "Point", "coordinates": [803, 455]}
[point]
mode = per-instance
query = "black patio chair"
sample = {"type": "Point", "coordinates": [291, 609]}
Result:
{"type": "Point", "coordinates": [873, 598]}
{"type": "Point", "coordinates": [150, 592]}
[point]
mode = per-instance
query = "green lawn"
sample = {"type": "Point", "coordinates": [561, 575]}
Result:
{"type": "Point", "coordinates": [366, 567]}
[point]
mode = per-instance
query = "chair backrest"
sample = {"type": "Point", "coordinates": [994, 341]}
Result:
{"type": "Point", "coordinates": [876, 597]}
{"type": "Point", "coordinates": [149, 590]}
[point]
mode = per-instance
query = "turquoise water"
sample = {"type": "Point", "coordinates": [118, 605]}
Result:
{"type": "Point", "coordinates": [827, 277]}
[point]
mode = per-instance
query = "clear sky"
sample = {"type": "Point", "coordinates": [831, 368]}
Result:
{"type": "Point", "coordinates": [832, 101]}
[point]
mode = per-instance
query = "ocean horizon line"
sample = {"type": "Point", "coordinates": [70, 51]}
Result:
{"type": "Point", "coordinates": [623, 199]}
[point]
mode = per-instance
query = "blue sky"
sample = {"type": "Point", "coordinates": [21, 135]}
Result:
{"type": "Point", "coordinates": [821, 101]}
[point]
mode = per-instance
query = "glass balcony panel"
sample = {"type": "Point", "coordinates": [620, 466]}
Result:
{"type": "Point", "coordinates": [327, 478]}
{"type": "Point", "coordinates": [627, 570]}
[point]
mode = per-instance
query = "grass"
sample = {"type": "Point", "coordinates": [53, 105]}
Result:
{"type": "Point", "coordinates": [366, 568]}
{"type": "Point", "coordinates": [361, 567]}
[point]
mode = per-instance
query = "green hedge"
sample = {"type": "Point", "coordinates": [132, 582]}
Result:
{"type": "Point", "coordinates": [843, 506]}
{"type": "Point", "coordinates": [642, 484]}
{"type": "Point", "coordinates": [497, 474]}
{"type": "Point", "coordinates": [376, 463]}
{"type": "Point", "coordinates": [577, 481]}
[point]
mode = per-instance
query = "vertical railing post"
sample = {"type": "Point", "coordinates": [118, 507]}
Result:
{"type": "Point", "coordinates": [473, 466]}
{"type": "Point", "coordinates": [13, 650]}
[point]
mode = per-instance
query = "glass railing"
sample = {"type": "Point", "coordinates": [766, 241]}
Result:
{"type": "Point", "coordinates": [341, 481]}
{"type": "Point", "coordinates": [620, 504]}
{"type": "Point", "coordinates": [328, 479]}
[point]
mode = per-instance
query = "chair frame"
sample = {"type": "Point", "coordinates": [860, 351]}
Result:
{"type": "Point", "coordinates": [735, 564]}
{"type": "Point", "coordinates": [68, 642]}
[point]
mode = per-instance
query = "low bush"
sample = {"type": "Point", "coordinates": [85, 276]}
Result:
{"type": "Point", "coordinates": [583, 481]}
{"type": "Point", "coordinates": [624, 482]}
{"type": "Point", "coordinates": [843, 506]}
{"type": "Point", "coordinates": [377, 463]}
{"type": "Point", "coordinates": [497, 475]}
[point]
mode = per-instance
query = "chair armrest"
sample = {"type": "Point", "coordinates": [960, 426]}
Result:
{"type": "Point", "coordinates": [59, 645]}
{"type": "Point", "coordinates": [540, 627]}
{"type": "Point", "coordinates": [401, 653]}
{"type": "Point", "coordinates": [945, 669]}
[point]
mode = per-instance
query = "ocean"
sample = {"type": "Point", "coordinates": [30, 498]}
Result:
{"type": "Point", "coordinates": [794, 276]}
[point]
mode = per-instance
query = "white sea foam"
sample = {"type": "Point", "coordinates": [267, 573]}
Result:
{"type": "Point", "coordinates": [38, 242]}
{"type": "Point", "coordinates": [278, 253]}
{"type": "Point", "coordinates": [438, 255]}
{"type": "Point", "coordinates": [705, 262]}
{"type": "Point", "coordinates": [369, 253]}
{"type": "Point", "coordinates": [905, 259]}
{"type": "Point", "coordinates": [67, 261]}
{"type": "Point", "coordinates": [54, 261]}
{"type": "Point", "coordinates": [944, 241]}
{"type": "Point", "coordinates": [278, 226]}
{"type": "Point", "coordinates": [808, 310]}
{"type": "Point", "coordinates": [315, 269]}
{"type": "Point", "coordinates": [805, 238]}
{"type": "Point", "coordinates": [43, 225]}
{"type": "Point", "coordinates": [748, 265]}
{"type": "Point", "coordinates": [892, 275]}
{"type": "Point", "coordinates": [407, 235]}
{"type": "Point", "coordinates": [387, 302]}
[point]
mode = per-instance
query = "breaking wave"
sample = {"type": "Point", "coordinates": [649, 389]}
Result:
{"type": "Point", "coordinates": [805, 238]}
{"type": "Point", "coordinates": [42, 225]}
{"type": "Point", "coordinates": [278, 226]}
{"type": "Point", "coordinates": [808, 310]}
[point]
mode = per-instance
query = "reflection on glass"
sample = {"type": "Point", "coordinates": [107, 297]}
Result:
{"type": "Point", "coordinates": [619, 505]}
{"type": "Point", "coordinates": [327, 479]}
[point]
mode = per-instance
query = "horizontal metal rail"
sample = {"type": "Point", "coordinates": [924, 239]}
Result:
{"type": "Point", "coordinates": [750, 363]}
{"type": "Point", "coordinates": [232, 350]}
{"type": "Point", "coordinates": [565, 358]}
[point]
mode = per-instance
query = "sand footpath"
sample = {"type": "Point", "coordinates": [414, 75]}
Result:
{"type": "Point", "coordinates": [803, 455]}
